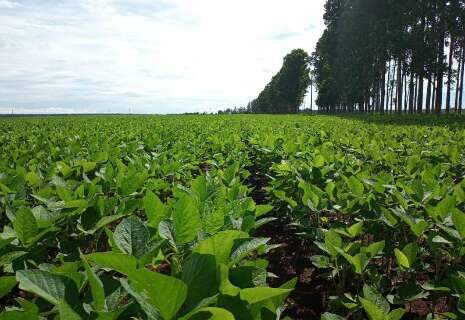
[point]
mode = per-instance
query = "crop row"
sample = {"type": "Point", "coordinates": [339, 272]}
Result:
{"type": "Point", "coordinates": [382, 208]}
{"type": "Point", "coordinates": [157, 217]}
{"type": "Point", "coordinates": [113, 218]}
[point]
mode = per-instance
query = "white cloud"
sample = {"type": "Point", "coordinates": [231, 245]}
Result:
{"type": "Point", "coordinates": [151, 56]}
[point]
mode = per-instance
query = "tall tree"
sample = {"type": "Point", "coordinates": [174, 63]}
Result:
{"type": "Point", "coordinates": [376, 55]}
{"type": "Point", "coordinates": [286, 91]}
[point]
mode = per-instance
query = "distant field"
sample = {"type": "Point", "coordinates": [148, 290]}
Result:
{"type": "Point", "coordinates": [232, 217]}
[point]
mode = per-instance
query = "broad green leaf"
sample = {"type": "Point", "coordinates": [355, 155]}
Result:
{"type": "Point", "coordinates": [119, 262]}
{"type": "Point", "coordinates": [186, 219]}
{"type": "Point", "coordinates": [359, 261]}
{"type": "Point", "coordinates": [332, 241]}
{"type": "Point", "coordinates": [151, 311]}
{"type": "Point", "coordinates": [96, 286]}
{"type": "Point", "coordinates": [407, 256]}
{"type": "Point", "coordinates": [66, 312]}
{"type": "Point", "coordinates": [200, 274]}
{"type": "Point", "coordinates": [411, 252]}
{"type": "Point", "coordinates": [102, 222]}
{"type": "Point", "coordinates": [355, 186]}
{"type": "Point", "coordinates": [226, 287]}
{"type": "Point", "coordinates": [321, 262]}
{"type": "Point", "coordinates": [419, 227]}
{"type": "Point", "coordinates": [10, 257]}
{"type": "Point", "coordinates": [111, 240]}
{"type": "Point", "coordinates": [258, 294]}
{"type": "Point", "coordinates": [51, 287]}
{"type": "Point", "coordinates": [319, 161]}
{"type": "Point", "coordinates": [199, 186]}
{"type": "Point", "coordinates": [262, 209]}
{"type": "Point", "coordinates": [210, 313]}
{"type": "Point", "coordinates": [375, 248]}
{"type": "Point", "coordinates": [355, 229]}
{"type": "Point", "coordinates": [396, 314]}
{"type": "Point", "coordinates": [32, 178]}
{"type": "Point", "coordinates": [7, 283]}
{"type": "Point", "coordinates": [246, 248]}
{"type": "Point", "coordinates": [7, 241]}
{"type": "Point", "coordinates": [442, 209]}
{"type": "Point", "coordinates": [373, 296]}
{"type": "Point", "coordinates": [131, 236]}
{"type": "Point", "coordinates": [28, 306]}
{"type": "Point", "coordinates": [132, 182]}
{"type": "Point", "coordinates": [25, 225]}
{"type": "Point", "coordinates": [458, 218]}
{"type": "Point", "coordinates": [165, 293]}
{"type": "Point", "coordinates": [402, 259]}
{"type": "Point", "coordinates": [220, 245]}
{"type": "Point", "coordinates": [44, 217]}
{"type": "Point", "coordinates": [213, 220]}
{"type": "Point", "coordinates": [155, 210]}
{"type": "Point", "coordinates": [373, 312]}
{"type": "Point", "coordinates": [80, 203]}
{"type": "Point", "coordinates": [15, 315]}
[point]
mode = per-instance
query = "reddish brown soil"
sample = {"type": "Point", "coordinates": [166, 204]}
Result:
{"type": "Point", "coordinates": [291, 260]}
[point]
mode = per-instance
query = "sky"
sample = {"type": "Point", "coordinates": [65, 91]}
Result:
{"type": "Point", "coordinates": [146, 56]}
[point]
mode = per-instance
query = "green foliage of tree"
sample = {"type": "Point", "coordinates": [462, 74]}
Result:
{"type": "Point", "coordinates": [391, 55]}
{"type": "Point", "coordinates": [287, 89]}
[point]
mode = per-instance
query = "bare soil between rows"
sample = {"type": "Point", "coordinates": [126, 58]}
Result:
{"type": "Point", "coordinates": [290, 260]}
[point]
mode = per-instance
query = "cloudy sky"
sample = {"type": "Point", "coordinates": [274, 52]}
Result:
{"type": "Point", "coordinates": [146, 56]}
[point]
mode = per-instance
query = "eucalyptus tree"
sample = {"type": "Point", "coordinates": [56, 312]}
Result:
{"type": "Point", "coordinates": [286, 90]}
{"type": "Point", "coordinates": [403, 55]}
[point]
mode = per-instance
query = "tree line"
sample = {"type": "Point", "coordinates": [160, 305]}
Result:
{"type": "Point", "coordinates": [391, 56]}
{"type": "Point", "coordinates": [286, 90]}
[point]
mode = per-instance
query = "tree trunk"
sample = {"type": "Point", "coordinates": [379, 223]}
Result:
{"type": "Point", "coordinates": [383, 87]}
{"type": "Point", "coordinates": [457, 85]}
{"type": "Point", "coordinates": [433, 97]}
{"type": "Point", "coordinates": [461, 79]}
{"type": "Point", "coordinates": [420, 93]}
{"type": "Point", "coordinates": [399, 86]}
{"type": "Point", "coordinates": [440, 72]}
{"type": "Point", "coordinates": [406, 96]}
{"type": "Point", "coordinates": [449, 73]}
{"type": "Point", "coordinates": [411, 97]}
{"type": "Point", "coordinates": [421, 75]}
{"type": "Point", "coordinates": [311, 96]}
{"type": "Point", "coordinates": [428, 95]}
{"type": "Point", "coordinates": [387, 86]}
{"type": "Point", "coordinates": [391, 84]}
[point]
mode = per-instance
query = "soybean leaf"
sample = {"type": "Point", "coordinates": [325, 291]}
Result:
{"type": "Point", "coordinates": [246, 248]}
{"type": "Point", "coordinates": [51, 287]}
{"type": "Point", "coordinates": [355, 186]}
{"type": "Point", "coordinates": [210, 313]}
{"type": "Point", "coordinates": [96, 287]}
{"type": "Point", "coordinates": [119, 262]}
{"type": "Point", "coordinates": [220, 245]}
{"type": "Point", "coordinates": [7, 283]}
{"type": "Point", "coordinates": [458, 218]}
{"type": "Point", "coordinates": [154, 209]}
{"type": "Point", "coordinates": [186, 218]}
{"type": "Point", "coordinates": [200, 274]}
{"type": "Point", "coordinates": [131, 236]}
{"type": "Point", "coordinates": [165, 293]}
{"type": "Point", "coordinates": [25, 225]}
{"type": "Point", "coordinates": [258, 294]}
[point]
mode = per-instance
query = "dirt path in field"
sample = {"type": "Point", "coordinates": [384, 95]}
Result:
{"type": "Point", "coordinates": [292, 259]}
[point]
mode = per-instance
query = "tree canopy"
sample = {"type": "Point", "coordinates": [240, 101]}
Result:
{"type": "Point", "coordinates": [391, 55]}
{"type": "Point", "coordinates": [286, 90]}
